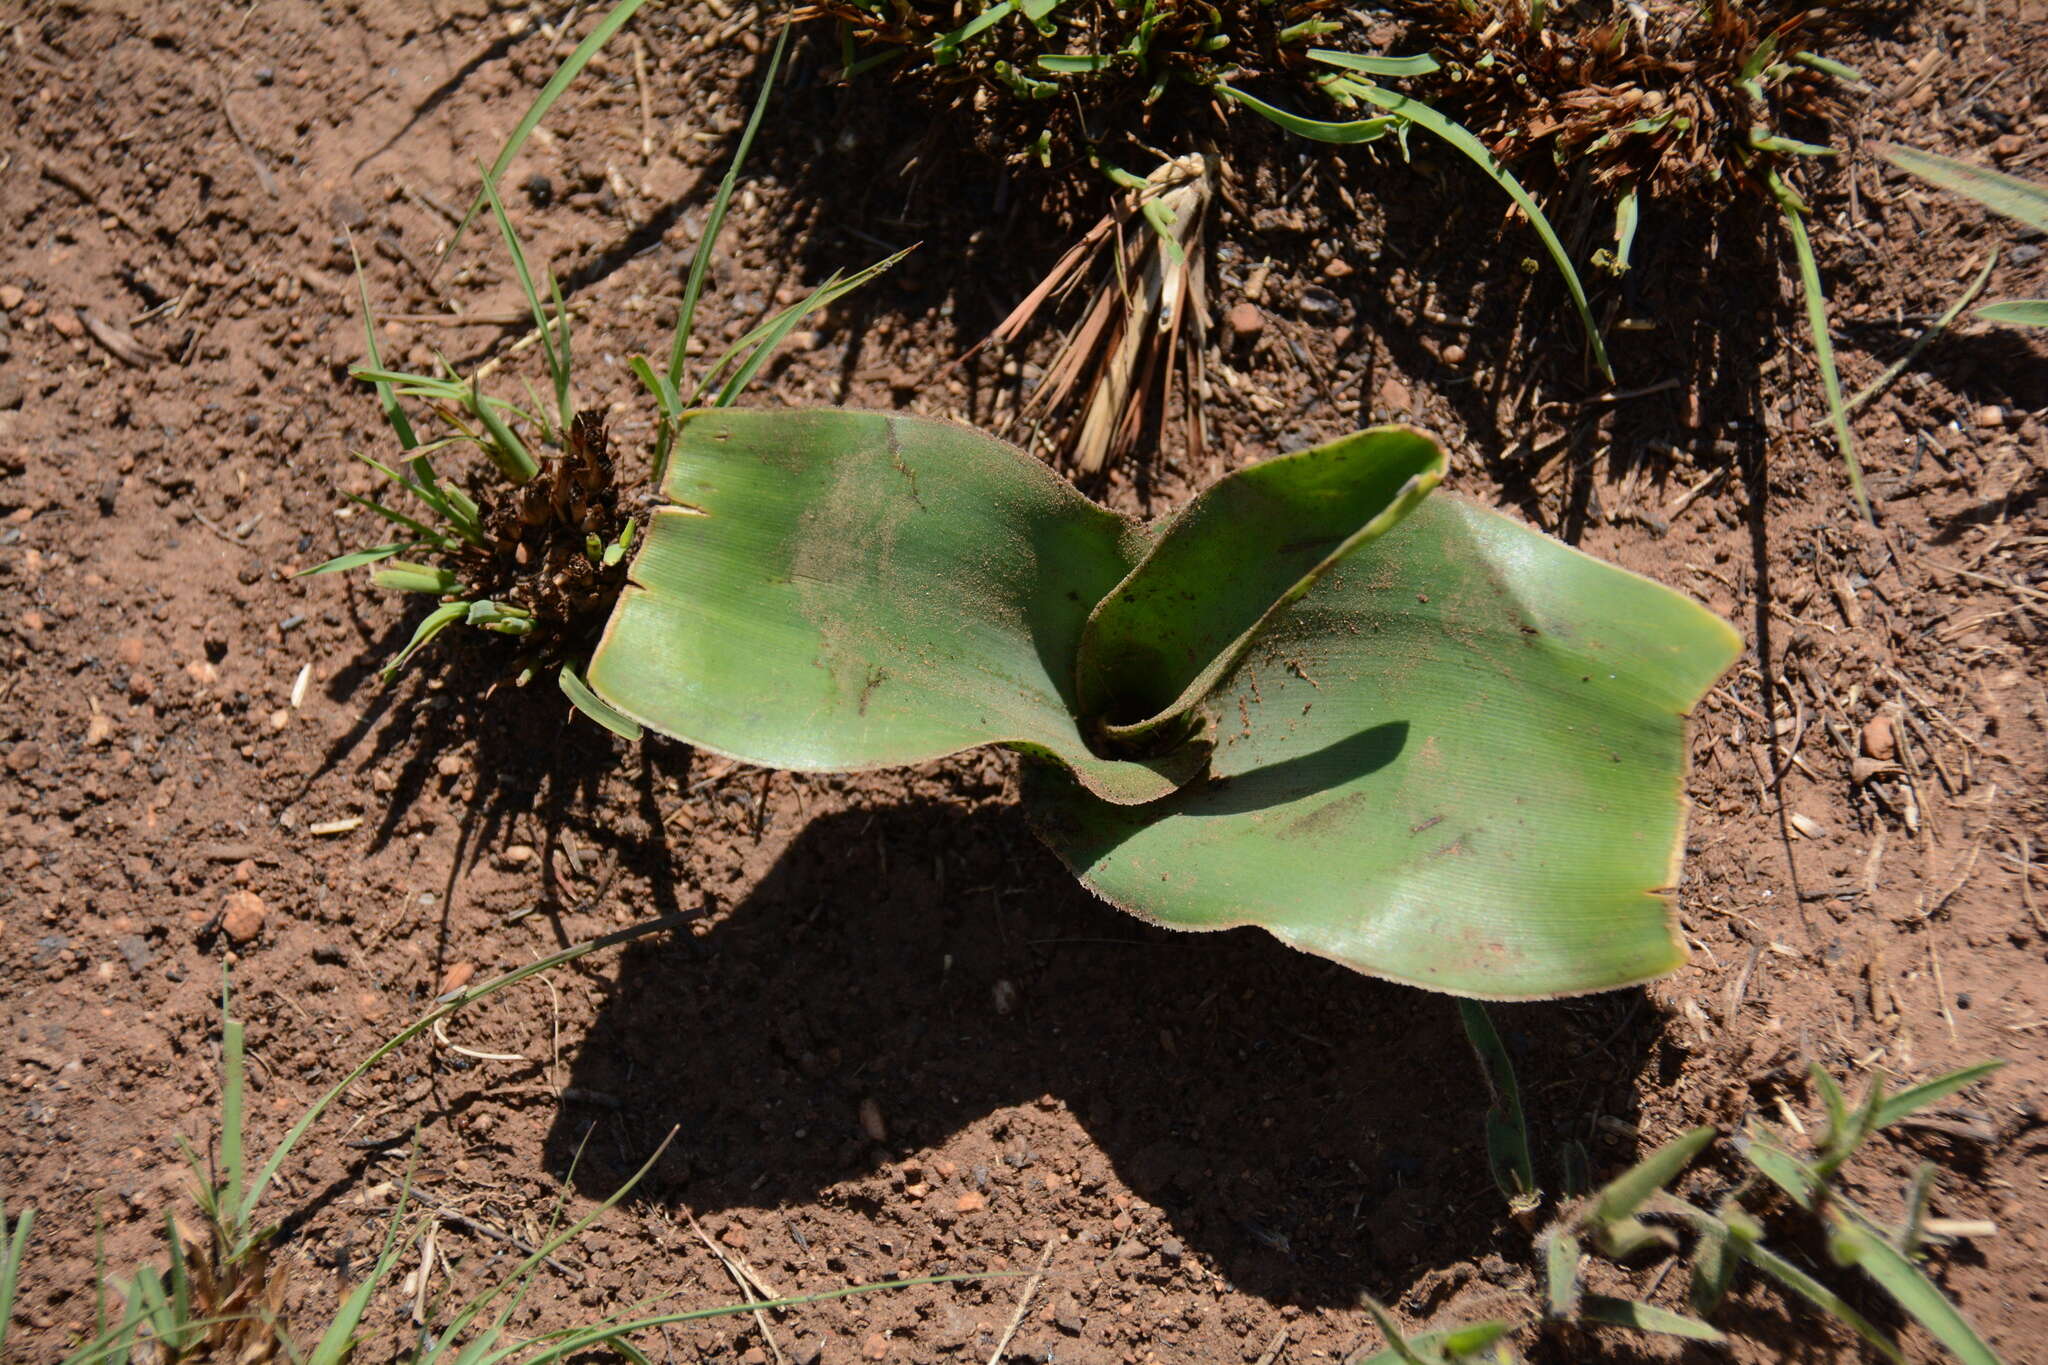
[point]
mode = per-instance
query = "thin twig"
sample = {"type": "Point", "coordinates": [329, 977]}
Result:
{"type": "Point", "coordinates": [1023, 1303]}
{"type": "Point", "coordinates": [646, 101]}
{"type": "Point", "coordinates": [739, 1277]}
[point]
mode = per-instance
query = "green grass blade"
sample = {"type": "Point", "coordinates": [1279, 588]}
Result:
{"type": "Point", "coordinates": [597, 708]}
{"type": "Point", "coordinates": [1348, 133]}
{"type": "Point", "coordinates": [1420, 65]}
{"type": "Point", "coordinates": [506, 450]}
{"type": "Point", "coordinates": [1623, 1195]}
{"type": "Point", "coordinates": [2023, 201]}
{"type": "Point", "coordinates": [1921, 342]}
{"type": "Point", "coordinates": [387, 400]}
{"type": "Point", "coordinates": [945, 48]}
{"type": "Point", "coordinates": [766, 336]}
{"type": "Point", "coordinates": [1561, 1254]}
{"type": "Point", "coordinates": [1821, 1297]}
{"type": "Point", "coordinates": [1627, 213]}
{"type": "Point", "coordinates": [408, 577]}
{"type": "Point", "coordinates": [1781, 1168]}
{"type": "Point", "coordinates": [772, 339]}
{"type": "Point", "coordinates": [180, 1306]}
{"type": "Point", "coordinates": [1913, 1231]}
{"type": "Point", "coordinates": [612, 22]}
{"type": "Point", "coordinates": [356, 559]}
{"type": "Point", "coordinates": [338, 1340]}
{"type": "Point", "coordinates": [1823, 346]}
{"type": "Point", "coordinates": [714, 221]}
{"type": "Point", "coordinates": [1062, 64]}
{"type": "Point", "coordinates": [1832, 1099]}
{"type": "Point", "coordinates": [2022, 312]}
{"type": "Point", "coordinates": [232, 1110]}
{"type": "Point", "coordinates": [437, 620]}
{"type": "Point", "coordinates": [1910, 1289]}
{"type": "Point", "coordinates": [419, 528]}
{"type": "Point", "coordinates": [1918, 1097]}
{"type": "Point", "coordinates": [553, 1244]}
{"type": "Point", "coordinates": [1414, 111]}
{"type": "Point", "coordinates": [1646, 1317]}
{"type": "Point", "coordinates": [442, 1010]}
{"type": "Point", "coordinates": [1713, 1268]}
{"type": "Point", "coordinates": [1507, 1135]}
{"type": "Point", "coordinates": [558, 364]}
{"type": "Point", "coordinates": [1398, 1347]}
{"type": "Point", "coordinates": [13, 1248]}
{"type": "Point", "coordinates": [563, 328]}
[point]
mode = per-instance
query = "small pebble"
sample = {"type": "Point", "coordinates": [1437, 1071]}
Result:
{"type": "Point", "coordinates": [1454, 354]}
{"type": "Point", "coordinates": [970, 1202]}
{"type": "Point", "coordinates": [66, 324]}
{"type": "Point", "coordinates": [11, 296]}
{"type": "Point", "coordinates": [242, 915]}
{"type": "Point", "coordinates": [871, 1121]}
{"type": "Point", "coordinates": [1878, 740]}
{"type": "Point", "coordinates": [1990, 415]}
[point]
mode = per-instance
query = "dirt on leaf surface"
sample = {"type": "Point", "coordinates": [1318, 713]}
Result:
{"type": "Point", "coordinates": [895, 1039]}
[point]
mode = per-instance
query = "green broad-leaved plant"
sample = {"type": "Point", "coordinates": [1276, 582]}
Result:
{"type": "Point", "coordinates": [1398, 731]}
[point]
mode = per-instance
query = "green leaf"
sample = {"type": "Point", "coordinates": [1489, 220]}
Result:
{"type": "Point", "coordinates": [1646, 1317]}
{"type": "Point", "coordinates": [505, 449]}
{"type": "Point", "coordinates": [1821, 1297]}
{"type": "Point", "coordinates": [557, 358]}
{"type": "Point", "coordinates": [1852, 1244]}
{"type": "Point", "coordinates": [945, 48]}
{"type": "Point", "coordinates": [769, 336]}
{"type": "Point", "coordinates": [437, 620]}
{"type": "Point", "coordinates": [1074, 66]}
{"type": "Point", "coordinates": [13, 1248]}
{"type": "Point", "coordinates": [1794, 209]}
{"type": "Point", "coordinates": [1420, 65]}
{"type": "Point", "coordinates": [232, 1051]}
{"type": "Point", "coordinates": [401, 576]}
{"type": "Point", "coordinates": [387, 401]}
{"type": "Point", "coordinates": [590, 704]}
{"type": "Point", "coordinates": [1398, 1347]}
{"type": "Point", "coordinates": [1457, 762]}
{"type": "Point", "coordinates": [614, 20]}
{"type": "Point", "coordinates": [358, 558]}
{"type": "Point", "coordinates": [2023, 201]}
{"type": "Point", "coordinates": [1347, 133]}
{"type": "Point", "coordinates": [1713, 1269]}
{"type": "Point", "coordinates": [1247, 547]}
{"type": "Point", "coordinates": [1798, 1180]}
{"type": "Point", "coordinates": [841, 590]}
{"type": "Point", "coordinates": [1916, 1097]}
{"type": "Point", "coordinates": [2023, 312]}
{"type": "Point", "coordinates": [1561, 1253]}
{"type": "Point", "coordinates": [714, 223]}
{"type": "Point", "coordinates": [1482, 728]}
{"type": "Point", "coordinates": [1507, 1136]}
{"type": "Point", "coordinates": [1624, 1194]}
{"type": "Point", "coordinates": [337, 1342]}
{"type": "Point", "coordinates": [1416, 112]}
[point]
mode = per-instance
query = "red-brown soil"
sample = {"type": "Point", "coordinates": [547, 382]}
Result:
{"type": "Point", "coordinates": [895, 1038]}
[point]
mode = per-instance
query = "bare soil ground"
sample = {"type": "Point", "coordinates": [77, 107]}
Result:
{"type": "Point", "coordinates": [896, 1039]}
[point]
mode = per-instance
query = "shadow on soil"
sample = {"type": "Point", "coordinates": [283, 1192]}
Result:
{"type": "Point", "coordinates": [1309, 1131]}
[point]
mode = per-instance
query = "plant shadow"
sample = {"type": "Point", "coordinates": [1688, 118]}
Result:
{"type": "Point", "coordinates": [1306, 1131]}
